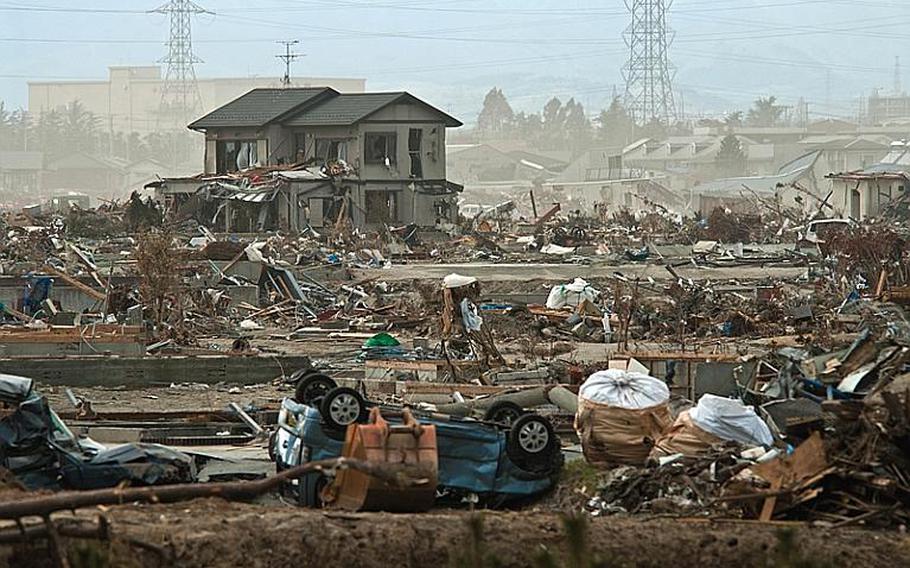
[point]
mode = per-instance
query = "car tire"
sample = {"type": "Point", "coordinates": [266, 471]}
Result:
{"type": "Point", "coordinates": [341, 407]}
{"type": "Point", "coordinates": [310, 487]}
{"type": "Point", "coordinates": [532, 443]}
{"type": "Point", "coordinates": [273, 439]}
{"type": "Point", "coordinates": [503, 412]}
{"type": "Point", "coordinates": [313, 387]}
{"type": "Point", "coordinates": [299, 374]}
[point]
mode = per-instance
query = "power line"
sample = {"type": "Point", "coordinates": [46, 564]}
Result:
{"type": "Point", "coordinates": [288, 58]}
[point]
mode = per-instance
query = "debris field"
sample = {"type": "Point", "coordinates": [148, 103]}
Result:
{"type": "Point", "coordinates": [492, 392]}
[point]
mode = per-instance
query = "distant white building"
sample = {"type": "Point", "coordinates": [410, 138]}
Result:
{"type": "Point", "coordinates": [128, 101]}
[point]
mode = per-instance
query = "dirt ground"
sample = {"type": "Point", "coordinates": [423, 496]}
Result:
{"type": "Point", "coordinates": [211, 532]}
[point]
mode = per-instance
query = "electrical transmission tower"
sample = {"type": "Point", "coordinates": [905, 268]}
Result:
{"type": "Point", "coordinates": [180, 99]}
{"type": "Point", "coordinates": [648, 73]}
{"type": "Point", "coordinates": [288, 58]}
{"type": "Point", "coordinates": [898, 87]}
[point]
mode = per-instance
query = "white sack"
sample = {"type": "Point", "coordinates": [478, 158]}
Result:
{"type": "Point", "coordinates": [624, 389]}
{"type": "Point", "coordinates": [571, 294]}
{"type": "Point", "coordinates": [731, 420]}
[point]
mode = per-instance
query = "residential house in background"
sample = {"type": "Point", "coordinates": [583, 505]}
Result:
{"type": "Point", "coordinates": [94, 175]}
{"type": "Point", "coordinates": [20, 174]}
{"type": "Point", "coordinates": [845, 152]}
{"type": "Point", "coordinates": [861, 194]}
{"type": "Point", "coordinates": [795, 184]}
{"type": "Point", "coordinates": [490, 175]}
{"type": "Point", "coordinates": [470, 164]}
{"type": "Point", "coordinates": [600, 177]}
{"type": "Point", "coordinates": [372, 158]}
{"type": "Point", "coordinates": [689, 160]}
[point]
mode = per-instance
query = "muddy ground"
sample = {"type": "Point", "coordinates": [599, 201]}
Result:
{"type": "Point", "coordinates": [211, 532]}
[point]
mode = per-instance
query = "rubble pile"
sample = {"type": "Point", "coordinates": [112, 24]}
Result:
{"type": "Point", "coordinates": [857, 475]}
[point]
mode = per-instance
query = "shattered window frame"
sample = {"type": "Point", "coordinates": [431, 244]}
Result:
{"type": "Point", "coordinates": [415, 147]}
{"type": "Point", "coordinates": [228, 154]}
{"type": "Point", "coordinates": [329, 150]}
{"type": "Point", "coordinates": [375, 214]}
{"type": "Point", "coordinates": [371, 146]}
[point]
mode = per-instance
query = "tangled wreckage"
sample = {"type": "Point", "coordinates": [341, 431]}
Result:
{"type": "Point", "coordinates": [314, 339]}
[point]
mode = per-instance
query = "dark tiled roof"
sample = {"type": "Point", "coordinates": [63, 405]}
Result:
{"type": "Point", "coordinates": [260, 107]}
{"type": "Point", "coordinates": [346, 109]}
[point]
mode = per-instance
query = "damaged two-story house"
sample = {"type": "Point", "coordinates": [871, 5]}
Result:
{"type": "Point", "coordinates": [291, 158]}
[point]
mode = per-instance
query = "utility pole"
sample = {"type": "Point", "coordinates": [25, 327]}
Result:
{"type": "Point", "coordinates": [180, 98]}
{"type": "Point", "coordinates": [288, 58]}
{"type": "Point", "coordinates": [648, 73]}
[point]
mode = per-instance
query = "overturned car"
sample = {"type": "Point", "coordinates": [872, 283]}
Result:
{"type": "Point", "coordinates": [495, 463]}
{"type": "Point", "coordinates": [38, 448]}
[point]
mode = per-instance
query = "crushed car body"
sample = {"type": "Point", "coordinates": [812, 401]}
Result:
{"type": "Point", "coordinates": [43, 453]}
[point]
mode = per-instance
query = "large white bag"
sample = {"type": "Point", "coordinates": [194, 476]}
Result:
{"type": "Point", "coordinates": [624, 389]}
{"type": "Point", "coordinates": [620, 415]}
{"type": "Point", "coordinates": [571, 294]}
{"type": "Point", "coordinates": [730, 419]}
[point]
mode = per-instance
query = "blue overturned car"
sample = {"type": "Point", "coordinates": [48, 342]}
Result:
{"type": "Point", "coordinates": [39, 449]}
{"type": "Point", "coordinates": [494, 463]}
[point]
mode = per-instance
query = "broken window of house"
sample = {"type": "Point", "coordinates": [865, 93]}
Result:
{"type": "Point", "coordinates": [381, 207]}
{"type": "Point", "coordinates": [299, 147]}
{"type": "Point", "coordinates": [236, 155]}
{"type": "Point", "coordinates": [380, 147]}
{"type": "Point", "coordinates": [415, 142]}
{"type": "Point", "coordinates": [330, 150]}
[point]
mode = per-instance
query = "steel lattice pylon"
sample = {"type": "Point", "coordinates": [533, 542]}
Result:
{"type": "Point", "coordinates": [648, 73]}
{"type": "Point", "coordinates": [180, 98]}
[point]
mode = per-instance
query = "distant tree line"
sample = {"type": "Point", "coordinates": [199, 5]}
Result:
{"type": "Point", "coordinates": [72, 128]}
{"type": "Point", "coordinates": [558, 126]}
{"type": "Point", "coordinates": [566, 126]}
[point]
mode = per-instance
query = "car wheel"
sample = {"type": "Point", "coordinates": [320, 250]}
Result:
{"type": "Point", "coordinates": [532, 442]}
{"type": "Point", "coordinates": [300, 373]}
{"type": "Point", "coordinates": [342, 407]}
{"type": "Point", "coordinates": [310, 487]}
{"type": "Point", "coordinates": [273, 439]}
{"type": "Point", "coordinates": [503, 412]}
{"type": "Point", "coordinates": [312, 387]}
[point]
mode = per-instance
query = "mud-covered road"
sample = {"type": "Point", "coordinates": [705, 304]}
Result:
{"type": "Point", "coordinates": [212, 532]}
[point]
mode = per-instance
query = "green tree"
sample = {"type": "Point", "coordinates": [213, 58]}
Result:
{"type": "Point", "coordinates": [6, 129]}
{"type": "Point", "coordinates": [730, 159]}
{"type": "Point", "coordinates": [14, 128]}
{"type": "Point", "coordinates": [766, 112]}
{"type": "Point", "coordinates": [578, 132]}
{"type": "Point", "coordinates": [615, 126]}
{"type": "Point", "coordinates": [528, 127]}
{"type": "Point", "coordinates": [553, 125]}
{"type": "Point", "coordinates": [733, 120]}
{"type": "Point", "coordinates": [654, 129]}
{"type": "Point", "coordinates": [47, 131]}
{"type": "Point", "coordinates": [496, 117]}
{"type": "Point", "coordinates": [79, 128]}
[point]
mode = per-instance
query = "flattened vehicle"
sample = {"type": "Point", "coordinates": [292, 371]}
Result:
{"type": "Point", "coordinates": [38, 448]}
{"type": "Point", "coordinates": [494, 463]}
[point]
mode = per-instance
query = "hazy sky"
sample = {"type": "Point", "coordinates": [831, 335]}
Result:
{"type": "Point", "coordinates": [452, 51]}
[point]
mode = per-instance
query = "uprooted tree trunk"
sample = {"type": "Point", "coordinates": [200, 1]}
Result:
{"type": "Point", "coordinates": [397, 475]}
